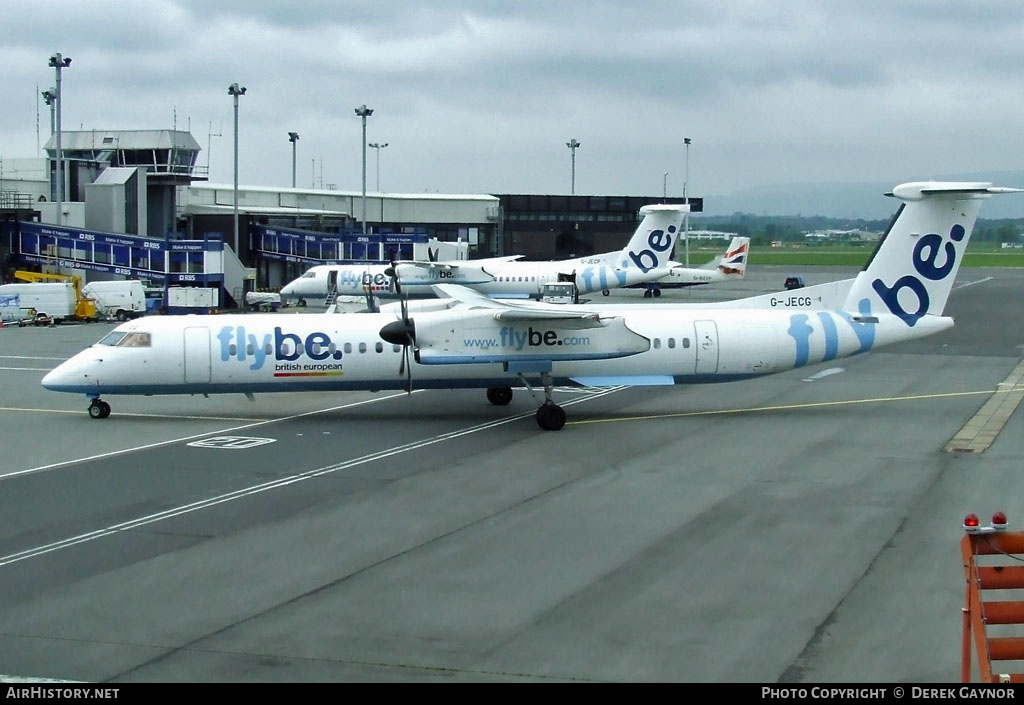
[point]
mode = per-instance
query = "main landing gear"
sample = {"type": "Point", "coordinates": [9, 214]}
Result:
{"type": "Point", "coordinates": [550, 416]}
{"type": "Point", "coordinates": [99, 409]}
{"type": "Point", "coordinates": [652, 291]}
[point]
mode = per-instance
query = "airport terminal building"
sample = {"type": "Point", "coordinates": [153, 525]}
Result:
{"type": "Point", "coordinates": [136, 204]}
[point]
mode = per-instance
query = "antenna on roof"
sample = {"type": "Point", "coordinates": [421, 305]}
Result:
{"type": "Point", "coordinates": [209, 137]}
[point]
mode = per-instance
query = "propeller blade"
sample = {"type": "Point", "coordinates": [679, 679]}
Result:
{"type": "Point", "coordinates": [408, 368]}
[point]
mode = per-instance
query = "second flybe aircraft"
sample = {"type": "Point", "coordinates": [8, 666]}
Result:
{"type": "Point", "coordinates": [470, 340]}
{"type": "Point", "coordinates": [645, 258]}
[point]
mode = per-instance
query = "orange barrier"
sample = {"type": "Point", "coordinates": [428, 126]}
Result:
{"type": "Point", "coordinates": [1001, 567]}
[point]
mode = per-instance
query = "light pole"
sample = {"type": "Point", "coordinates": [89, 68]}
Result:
{"type": "Point", "coordinates": [664, 185]}
{"type": "Point", "coordinates": [686, 198]}
{"type": "Point", "coordinates": [50, 97]}
{"type": "Point", "coordinates": [572, 145]}
{"type": "Point", "coordinates": [293, 137]}
{"type": "Point", "coordinates": [364, 112]}
{"type": "Point", "coordinates": [59, 62]}
{"type": "Point", "coordinates": [234, 91]}
{"type": "Point", "coordinates": [378, 147]}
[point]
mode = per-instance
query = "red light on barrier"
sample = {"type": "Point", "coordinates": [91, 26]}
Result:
{"type": "Point", "coordinates": [999, 520]}
{"type": "Point", "coordinates": [971, 521]}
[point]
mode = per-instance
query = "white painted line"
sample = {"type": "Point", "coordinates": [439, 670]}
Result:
{"type": "Point", "coordinates": [275, 484]}
{"type": "Point", "coordinates": [964, 285]}
{"type": "Point", "coordinates": [232, 442]}
{"type": "Point", "coordinates": [30, 357]}
{"type": "Point", "coordinates": [159, 444]}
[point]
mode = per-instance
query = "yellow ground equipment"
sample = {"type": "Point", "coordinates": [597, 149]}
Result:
{"type": "Point", "coordinates": [85, 308]}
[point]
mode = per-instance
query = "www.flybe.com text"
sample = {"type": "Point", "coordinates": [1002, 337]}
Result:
{"type": "Point", "coordinates": [518, 339]}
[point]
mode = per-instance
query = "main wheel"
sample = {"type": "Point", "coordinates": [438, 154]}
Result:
{"type": "Point", "coordinates": [550, 416]}
{"type": "Point", "coordinates": [605, 292]}
{"type": "Point", "coordinates": [499, 396]}
{"type": "Point", "coordinates": [657, 292]}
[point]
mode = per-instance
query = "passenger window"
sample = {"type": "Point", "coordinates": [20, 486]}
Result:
{"type": "Point", "coordinates": [380, 347]}
{"type": "Point", "coordinates": [657, 343]}
{"type": "Point", "coordinates": [348, 348]}
{"type": "Point", "coordinates": [268, 349]}
{"type": "Point", "coordinates": [686, 342]}
{"type": "Point", "coordinates": [671, 343]}
{"type": "Point", "coordinates": [362, 347]}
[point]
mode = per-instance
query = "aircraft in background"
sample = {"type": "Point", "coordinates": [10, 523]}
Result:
{"type": "Point", "coordinates": [730, 266]}
{"type": "Point", "coordinates": [470, 340]}
{"type": "Point", "coordinates": [646, 257]}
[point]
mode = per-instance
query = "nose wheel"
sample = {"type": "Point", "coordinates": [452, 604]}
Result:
{"type": "Point", "coordinates": [99, 409]}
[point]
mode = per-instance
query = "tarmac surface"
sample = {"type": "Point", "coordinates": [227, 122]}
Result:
{"type": "Point", "coordinates": [800, 528]}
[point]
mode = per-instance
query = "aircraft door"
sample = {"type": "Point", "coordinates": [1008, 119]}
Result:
{"type": "Point", "coordinates": [197, 355]}
{"type": "Point", "coordinates": [332, 280]}
{"type": "Point", "coordinates": [706, 344]}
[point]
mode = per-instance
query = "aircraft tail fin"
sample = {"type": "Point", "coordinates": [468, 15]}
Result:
{"type": "Point", "coordinates": [910, 274]}
{"type": "Point", "coordinates": [734, 261]}
{"type": "Point", "coordinates": [654, 238]}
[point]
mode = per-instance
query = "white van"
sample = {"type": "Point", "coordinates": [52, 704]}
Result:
{"type": "Point", "coordinates": [20, 302]}
{"type": "Point", "coordinates": [121, 299]}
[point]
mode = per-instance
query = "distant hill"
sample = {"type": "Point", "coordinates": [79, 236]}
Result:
{"type": "Point", "coordinates": [864, 200]}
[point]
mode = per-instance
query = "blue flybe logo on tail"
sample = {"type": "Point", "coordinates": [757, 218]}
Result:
{"type": "Point", "coordinates": [927, 253]}
{"type": "Point", "coordinates": [285, 349]}
{"type": "Point", "coordinates": [658, 243]}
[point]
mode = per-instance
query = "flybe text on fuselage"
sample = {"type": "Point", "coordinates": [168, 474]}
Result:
{"type": "Point", "coordinates": [349, 279]}
{"type": "Point", "coordinates": [284, 348]}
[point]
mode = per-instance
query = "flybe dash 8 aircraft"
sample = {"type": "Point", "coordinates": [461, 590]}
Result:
{"type": "Point", "coordinates": [469, 340]}
{"type": "Point", "coordinates": [645, 258]}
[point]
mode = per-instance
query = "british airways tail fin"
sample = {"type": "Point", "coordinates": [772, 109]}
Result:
{"type": "Point", "coordinates": [911, 272]}
{"type": "Point", "coordinates": [734, 261]}
{"type": "Point", "coordinates": [653, 240]}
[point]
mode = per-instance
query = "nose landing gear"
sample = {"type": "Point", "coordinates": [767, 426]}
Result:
{"type": "Point", "coordinates": [99, 409]}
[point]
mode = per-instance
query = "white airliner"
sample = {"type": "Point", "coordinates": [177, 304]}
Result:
{"type": "Point", "coordinates": [470, 340]}
{"type": "Point", "coordinates": [645, 258]}
{"type": "Point", "coordinates": [729, 267]}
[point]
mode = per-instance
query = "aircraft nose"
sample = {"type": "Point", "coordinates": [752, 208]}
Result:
{"type": "Point", "coordinates": [69, 376]}
{"type": "Point", "coordinates": [57, 378]}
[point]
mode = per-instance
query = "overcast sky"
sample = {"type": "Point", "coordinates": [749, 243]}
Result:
{"type": "Point", "coordinates": [482, 96]}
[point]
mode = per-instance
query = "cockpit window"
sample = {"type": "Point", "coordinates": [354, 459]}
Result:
{"type": "Point", "coordinates": [309, 275]}
{"type": "Point", "coordinates": [135, 340]}
{"type": "Point", "coordinates": [112, 338]}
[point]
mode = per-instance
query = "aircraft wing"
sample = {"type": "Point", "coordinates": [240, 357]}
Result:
{"type": "Point", "coordinates": [504, 310]}
{"type": "Point", "coordinates": [456, 264]}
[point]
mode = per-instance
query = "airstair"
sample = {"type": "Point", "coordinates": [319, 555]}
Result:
{"type": "Point", "coordinates": [332, 296]}
{"type": "Point", "coordinates": [993, 613]}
